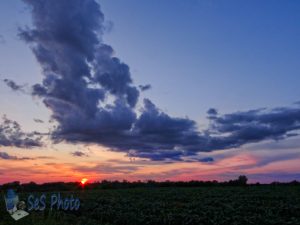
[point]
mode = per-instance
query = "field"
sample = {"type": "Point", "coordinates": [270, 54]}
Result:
{"type": "Point", "coordinates": [175, 206]}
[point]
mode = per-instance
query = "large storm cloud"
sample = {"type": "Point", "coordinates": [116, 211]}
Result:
{"type": "Point", "coordinates": [93, 99]}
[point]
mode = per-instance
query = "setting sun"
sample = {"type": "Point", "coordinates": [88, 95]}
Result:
{"type": "Point", "coordinates": [83, 181]}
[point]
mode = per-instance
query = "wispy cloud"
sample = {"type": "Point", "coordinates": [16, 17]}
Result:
{"type": "Point", "coordinates": [38, 120]}
{"type": "Point", "coordinates": [79, 154]}
{"type": "Point", "coordinates": [106, 168]}
{"type": "Point", "coordinates": [145, 87]}
{"type": "Point", "coordinates": [6, 156]}
{"type": "Point", "coordinates": [13, 85]}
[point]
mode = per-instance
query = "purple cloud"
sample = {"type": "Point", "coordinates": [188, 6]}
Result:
{"type": "Point", "coordinates": [92, 97]}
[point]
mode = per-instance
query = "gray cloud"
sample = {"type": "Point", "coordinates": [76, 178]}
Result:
{"type": "Point", "coordinates": [145, 87]}
{"type": "Point", "coordinates": [12, 84]}
{"type": "Point", "coordinates": [207, 159]}
{"type": "Point", "coordinates": [254, 126]}
{"type": "Point", "coordinates": [38, 120]}
{"type": "Point", "coordinates": [6, 156]}
{"type": "Point", "coordinates": [11, 134]}
{"type": "Point", "coordinates": [79, 154]}
{"type": "Point", "coordinates": [93, 99]}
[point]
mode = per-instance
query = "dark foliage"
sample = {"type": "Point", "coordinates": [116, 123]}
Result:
{"type": "Point", "coordinates": [106, 184]}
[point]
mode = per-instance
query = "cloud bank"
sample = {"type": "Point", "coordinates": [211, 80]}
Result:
{"type": "Point", "coordinates": [93, 99]}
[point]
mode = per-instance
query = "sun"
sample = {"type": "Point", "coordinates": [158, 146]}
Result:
{"type": "Point", "coordinates": [83, 181]}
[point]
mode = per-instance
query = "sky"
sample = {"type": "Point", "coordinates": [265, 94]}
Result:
{"type": "Point", "coordinates": [140, 90]}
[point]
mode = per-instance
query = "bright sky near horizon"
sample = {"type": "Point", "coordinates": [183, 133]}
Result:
{"type": "Point", "coordinates": [232, 56]}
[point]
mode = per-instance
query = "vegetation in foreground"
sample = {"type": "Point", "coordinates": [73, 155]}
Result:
{"type": "Point", "coordinates": [217, 205]}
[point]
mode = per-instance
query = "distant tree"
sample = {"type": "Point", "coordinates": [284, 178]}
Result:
{"type": "Point", "coordinates": [13, 185]}
{"type": "Point", "coordinates": [242, 180]}
{"type": "Point", "coordinates": [294, 182]}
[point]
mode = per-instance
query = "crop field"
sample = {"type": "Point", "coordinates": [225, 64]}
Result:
{"type": "Point", "coordinates": [174, 206]}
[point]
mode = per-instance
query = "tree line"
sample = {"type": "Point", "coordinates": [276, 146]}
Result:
{"type": "Point", "coordinates": [106, 184]}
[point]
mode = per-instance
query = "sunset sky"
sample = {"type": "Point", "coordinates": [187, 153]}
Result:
{"type": "Point", "coordinates": [139, 90]}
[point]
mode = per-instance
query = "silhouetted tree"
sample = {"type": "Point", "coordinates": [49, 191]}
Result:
{"type": "Point", "coordinates": [242, 180]}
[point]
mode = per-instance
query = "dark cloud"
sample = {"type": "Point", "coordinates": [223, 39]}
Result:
{"type": "Point", "coordinates": [113, 75]}
{"type": "Point", "coordinates": [38, 120]}
{"type": "Point", "coordinates": [196, 159]}
{"type": "Point", "coordinates": [207, 159]}
{"type": "Point", "coordinates": [252, 126]}
{"type": "Point", "coordinates": [12, 135]}
{"type": "Point", "coordinates": [12, 84]}
{"type": "Point", "coordinates": [6, 156]}
{"type": "Point", "coordinates": [212, 112]}
{"type": "Point", "coordinates": [79, 154]}
{"type": "Point", "coordinates": [145, 87]}
{"type": "Point", "coordinates": [93, 99]}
